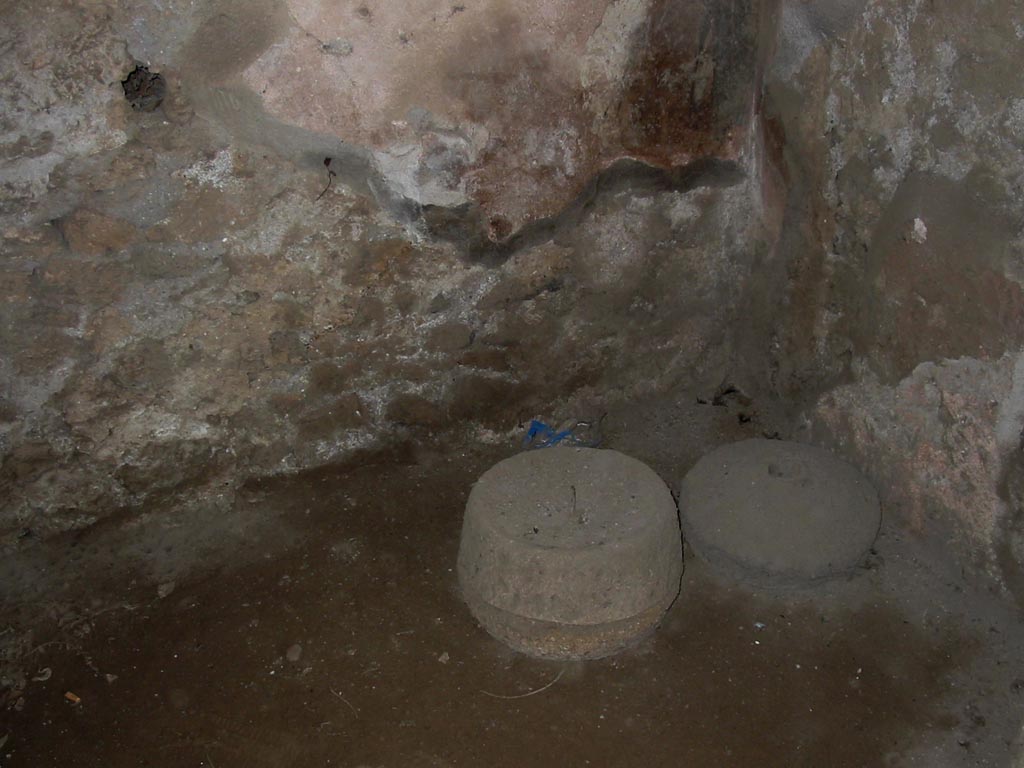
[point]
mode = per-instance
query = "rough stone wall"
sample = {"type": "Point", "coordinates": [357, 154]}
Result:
{"type": "Point", "coordinates": [256, 277]}
{"type": "Point", "coordinates": [357, 222]}
{"type": "Point", "coordinates": [896, 129]}
{"type": "Point", "coordinates": [509, 107]}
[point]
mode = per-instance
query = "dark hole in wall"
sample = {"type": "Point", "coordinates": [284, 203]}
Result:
{"type": "Point", "coordinates": [143, 89]}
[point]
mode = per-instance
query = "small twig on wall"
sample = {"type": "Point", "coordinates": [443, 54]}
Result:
{"type": "Point", "coordinates": [330, 177]}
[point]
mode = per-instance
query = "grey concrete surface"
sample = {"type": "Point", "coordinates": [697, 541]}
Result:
{"type": "Point", "coordinates": [778, 512]}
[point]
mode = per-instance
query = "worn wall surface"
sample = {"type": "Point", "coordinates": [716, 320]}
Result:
{"type": "Point", "coordinates": [354, 224]}
{"type": "Point", "coordinates": [897, 133]}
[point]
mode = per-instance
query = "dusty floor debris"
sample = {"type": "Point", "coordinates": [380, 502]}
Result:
{"type": "Point", "coordinates": [892, 667]}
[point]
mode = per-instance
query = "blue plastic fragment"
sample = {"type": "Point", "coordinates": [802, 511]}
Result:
{"type": "Point", "coordinates": [541, 435]}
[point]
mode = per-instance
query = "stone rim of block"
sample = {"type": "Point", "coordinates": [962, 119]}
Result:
{"type": "Point", "coordinates": [562, 642]}
{"type": "Point", "coordinates": [570, 552]}
{"type": "Point", "coordinates": [779, 513]}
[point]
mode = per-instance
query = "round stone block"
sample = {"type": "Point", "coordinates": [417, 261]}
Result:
{"type": "Point", "coordinates": [570, 553]}
{"type": "Point", "coordinates": [778, 512]}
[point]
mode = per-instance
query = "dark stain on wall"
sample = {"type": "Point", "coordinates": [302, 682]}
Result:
{"type": "Point", "coordinates": [690, 80]}
{"type": "Point", "coordinates": [920, 286]}
{"type": "Point", "coordinates": [465, 225]}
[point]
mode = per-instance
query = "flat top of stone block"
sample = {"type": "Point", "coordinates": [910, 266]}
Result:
{"type": "Point", "coordinates": [778, 511]}
{"type": "Point", "coordinates": [570, 498]}
{"type": "Point", "coordinates": [569, 536]}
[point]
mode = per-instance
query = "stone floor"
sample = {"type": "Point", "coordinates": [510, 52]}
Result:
{"type": "Point", "coordinates": [334, 635]}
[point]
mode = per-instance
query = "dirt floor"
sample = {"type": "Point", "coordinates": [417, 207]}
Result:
{"type": "Point", "coordinates": [333, 634]}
